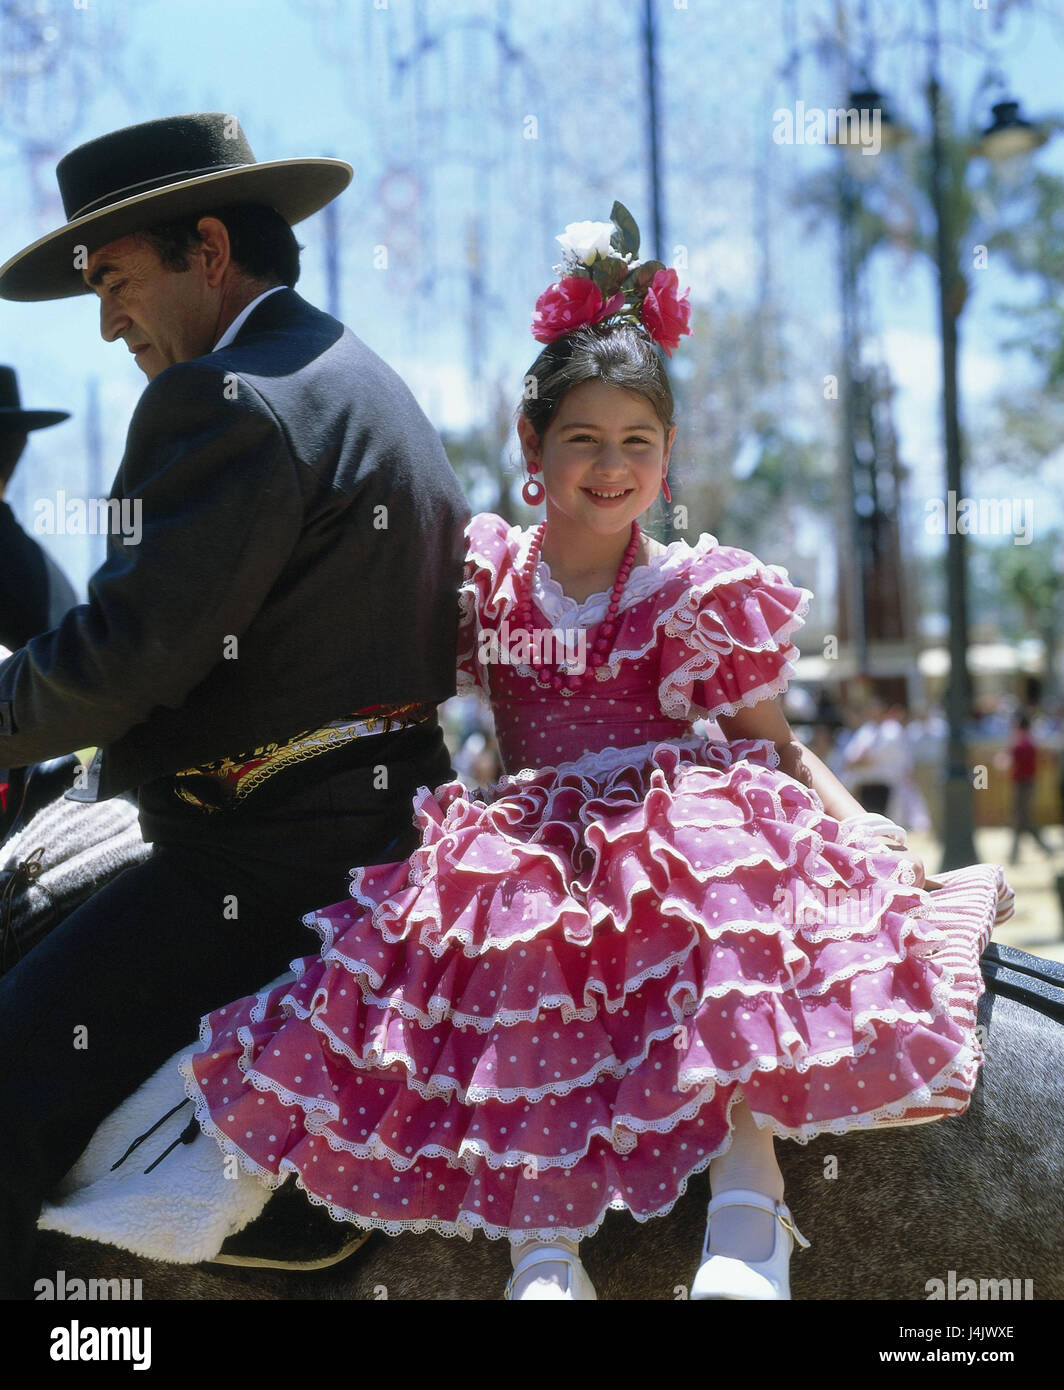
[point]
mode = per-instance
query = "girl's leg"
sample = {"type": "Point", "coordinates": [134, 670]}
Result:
{"type": "Point", "coordinates": [744, 1232]}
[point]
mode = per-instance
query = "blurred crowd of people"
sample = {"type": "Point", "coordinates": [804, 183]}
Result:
{"type": "Point", "coordinates": [889, 756]}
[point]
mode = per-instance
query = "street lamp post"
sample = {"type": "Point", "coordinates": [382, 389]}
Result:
{"type": "Point", "coordinates": [1008, 135]}
{"type": "Point", "coordinates": [857, 610]}
{"type": "Point", "coordinates": [657, 233]}
{"type": "Point", "coordinates": [958, 847]}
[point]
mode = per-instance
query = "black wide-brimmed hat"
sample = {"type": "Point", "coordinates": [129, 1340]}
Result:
{"type": "Point", "coordinates": [15, 420]}
{"type": "Point", "coordinates": [155, 172]}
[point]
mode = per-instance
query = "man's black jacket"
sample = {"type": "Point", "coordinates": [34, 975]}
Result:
{"type": "Point", "coordinates": [300, 557]}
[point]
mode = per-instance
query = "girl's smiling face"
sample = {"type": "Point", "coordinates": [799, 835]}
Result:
{"type": "Point", "coordinates": [603, 456]}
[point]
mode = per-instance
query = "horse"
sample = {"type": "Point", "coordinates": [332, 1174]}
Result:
{"type": "Point", "coordinates": [905, 1212]}
{"type": "Point", "coordinates": [969, 1205]}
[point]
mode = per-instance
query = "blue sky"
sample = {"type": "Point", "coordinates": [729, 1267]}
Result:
{"type": "Point", "coordinates": [338, 77]}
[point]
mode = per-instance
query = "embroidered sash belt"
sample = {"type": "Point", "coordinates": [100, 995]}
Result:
{"type": "Point", "coordinates": [215, 785]}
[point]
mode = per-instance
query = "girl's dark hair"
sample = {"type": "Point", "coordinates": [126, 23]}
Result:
{"type": "Point", "coordinates": [619, 354]}
{"type": "Point", "coordinates": [261, 242]}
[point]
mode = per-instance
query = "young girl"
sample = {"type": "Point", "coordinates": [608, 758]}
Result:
{"type": "Point", "coordinates": [640, 954]}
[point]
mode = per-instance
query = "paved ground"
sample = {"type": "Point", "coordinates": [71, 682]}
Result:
{"type": "Point", "coordinates": [1038, 924]}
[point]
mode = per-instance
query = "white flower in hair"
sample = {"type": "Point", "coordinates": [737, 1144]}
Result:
{"type": "Point", "coordinates": [583, 241]}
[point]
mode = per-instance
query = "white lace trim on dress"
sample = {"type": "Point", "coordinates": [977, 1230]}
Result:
{"type": "Point", "coordinates": [643, 580]}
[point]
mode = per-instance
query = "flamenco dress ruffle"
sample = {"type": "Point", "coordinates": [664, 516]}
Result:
{"type": "Point", "coordinates": [550, 1008]}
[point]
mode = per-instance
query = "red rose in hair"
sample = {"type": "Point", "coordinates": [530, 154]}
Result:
{"type": "Point", "coordinates": [666, 314]}
{"type": "Point", "coordinates": [572, 303]}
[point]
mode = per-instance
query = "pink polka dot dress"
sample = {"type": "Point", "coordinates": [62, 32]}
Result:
{"type": "Point", "coordinates": [549, 1009]}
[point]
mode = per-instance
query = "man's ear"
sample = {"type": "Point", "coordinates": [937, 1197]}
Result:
{"type": "Point", "coordinates": [214, 248]}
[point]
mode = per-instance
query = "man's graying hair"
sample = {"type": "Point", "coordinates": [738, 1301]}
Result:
{"type": "Point", "coordinates": [261, 242]}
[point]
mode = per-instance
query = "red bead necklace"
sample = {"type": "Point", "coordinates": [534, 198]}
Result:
{"type": "Point", "coordinates": [569, 682]}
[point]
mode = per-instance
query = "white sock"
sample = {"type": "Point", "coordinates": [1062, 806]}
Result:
{"type": "Point", "coordinates": [547, 1280]}
{"type": "Point", "coordinates": [745, 1233]}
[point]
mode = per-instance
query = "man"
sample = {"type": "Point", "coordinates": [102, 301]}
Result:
{"type": "Point", "coordinates": [1022, 761]}
{"type": "Point", "coordinates": [876, 757]}
{"type": "Point", "coordinates": [263, 649]}
{"type": "Point", "coordinates": [34, 591]}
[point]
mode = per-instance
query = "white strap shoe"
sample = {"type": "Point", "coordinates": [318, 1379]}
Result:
{"type": "Point", "coordinates": [724, 1277]}
{"type": "Point", "coordinates": [578, 1287]}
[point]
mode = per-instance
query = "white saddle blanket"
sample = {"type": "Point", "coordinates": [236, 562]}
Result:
{"type": "Point", "coordinates": [182, 1211]}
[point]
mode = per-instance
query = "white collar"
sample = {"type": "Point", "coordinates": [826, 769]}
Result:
{"type": "Point", "coordinates": [561, 610]}
{"type": "Point", "coordinates": [238, 323]}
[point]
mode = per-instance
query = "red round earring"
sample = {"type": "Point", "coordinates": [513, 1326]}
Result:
{"type": "Point", "coordinates": [665, 488]}
{"type": "Point", "coordinates": [533, 492]}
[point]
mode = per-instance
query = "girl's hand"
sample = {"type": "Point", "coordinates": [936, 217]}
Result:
{"type": "Point", "coordinates": [893, 838]}
{"type": "Point", "coordinates": [892, 843]}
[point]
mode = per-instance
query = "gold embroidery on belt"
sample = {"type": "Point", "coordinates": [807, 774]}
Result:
{"type": "Point", "coordinates": [236, 777]}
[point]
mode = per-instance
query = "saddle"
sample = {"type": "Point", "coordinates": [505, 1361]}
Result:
{"type": "Point", "coordinates": [1031, 980]}
{"type": "Point", "coordinates": [151, 1182]}
{"type": "Point", "coordinates": [57, 852]}
{"type": "Point", "coordinates": [291, 1233]}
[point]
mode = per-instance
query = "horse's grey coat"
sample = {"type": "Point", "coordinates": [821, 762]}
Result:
{"type": "Point", "coordinates": [978, 1194]}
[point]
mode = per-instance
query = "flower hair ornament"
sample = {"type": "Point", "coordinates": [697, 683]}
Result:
{"type": "Point", "coordinates": [602, 277]}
